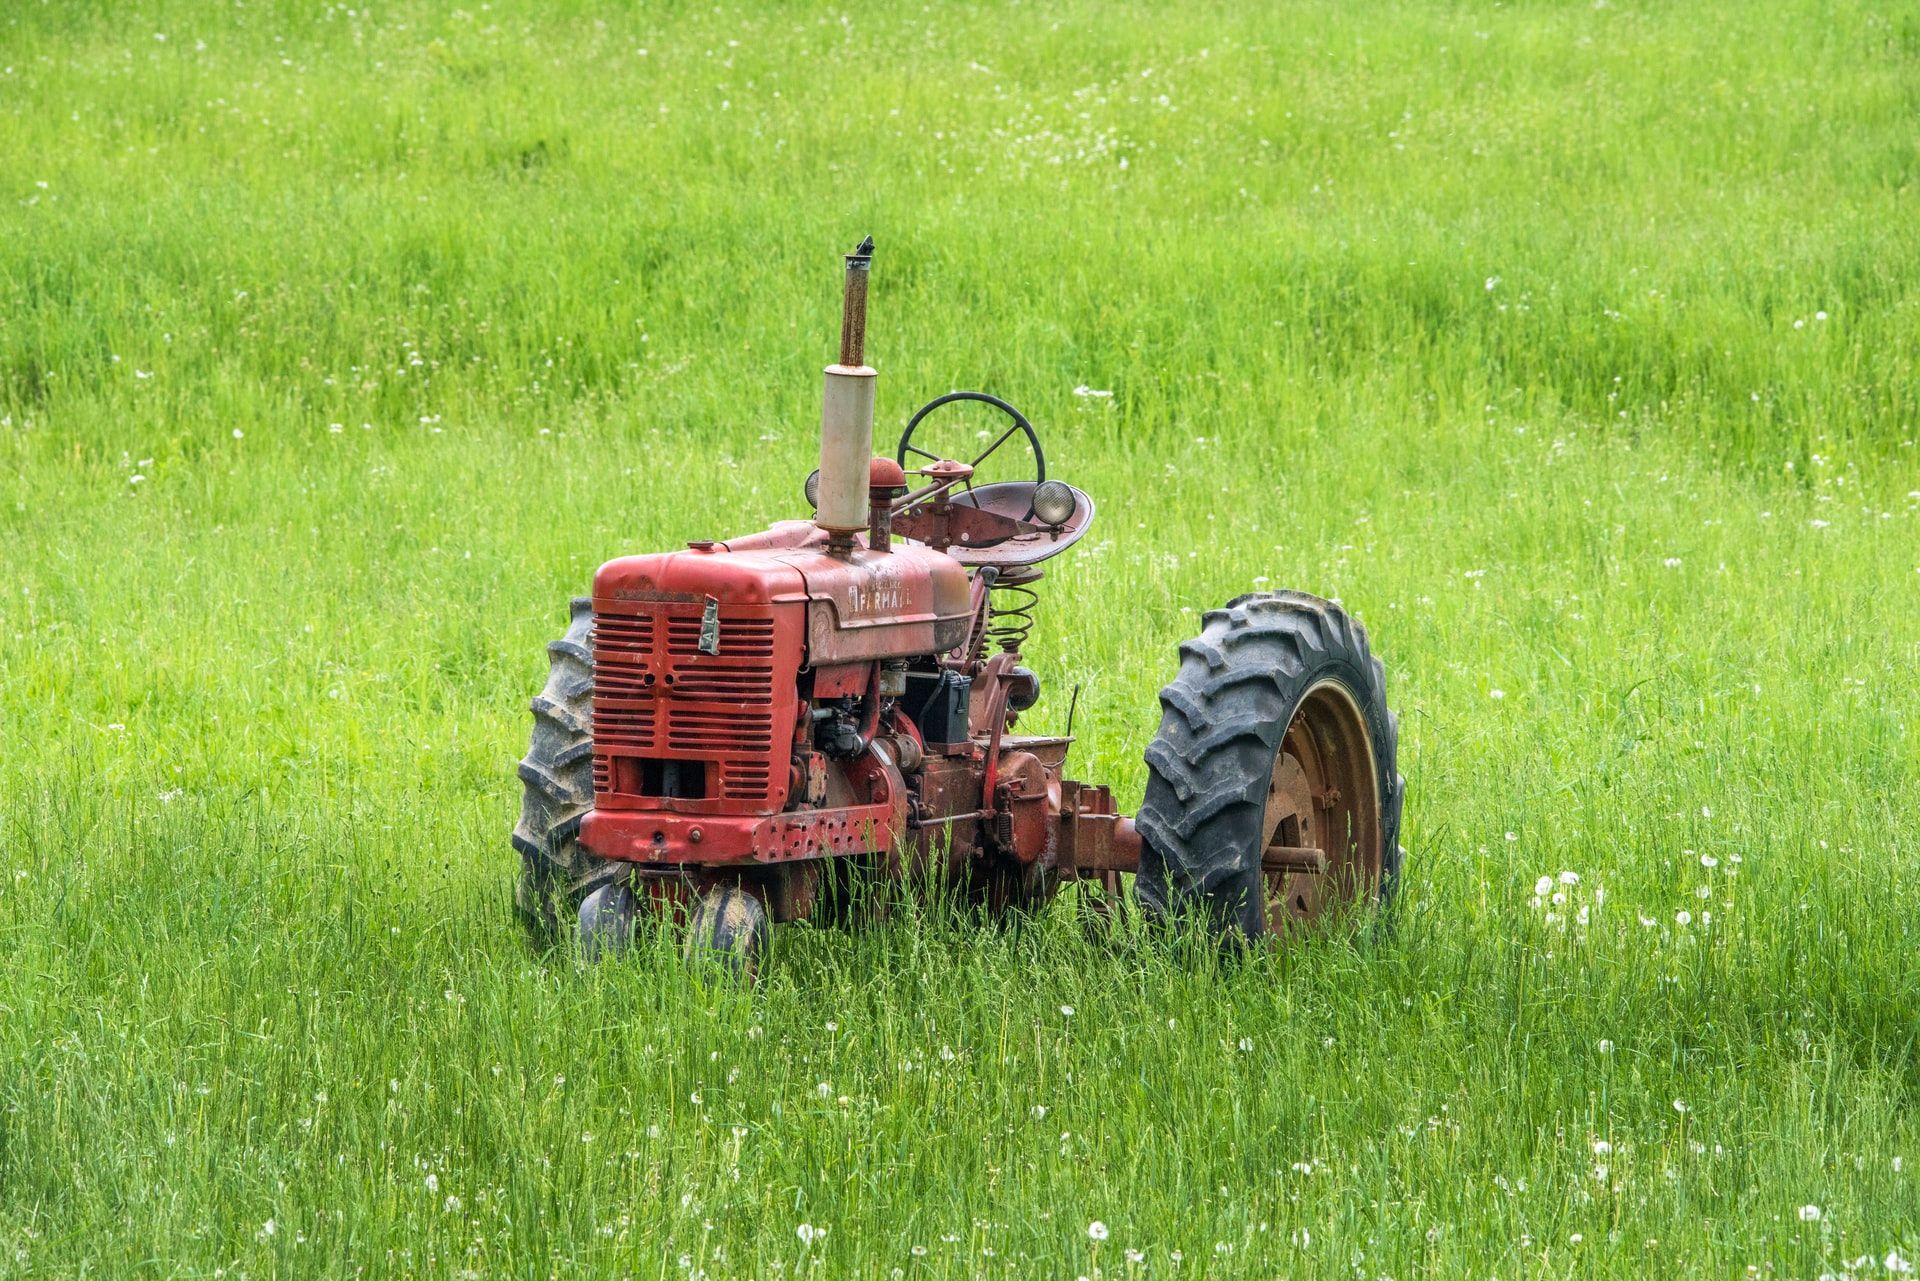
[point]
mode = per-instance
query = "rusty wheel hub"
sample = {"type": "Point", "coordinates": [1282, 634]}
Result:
{"type": "Point", "coordinates": [1322, 826]}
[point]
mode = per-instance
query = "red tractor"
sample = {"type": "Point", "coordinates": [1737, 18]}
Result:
{"type": "Point", "coordinates": [726, 729]}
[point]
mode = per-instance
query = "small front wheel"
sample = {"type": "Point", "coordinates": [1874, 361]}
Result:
{"type": "Point", "coordinates": [729, 930]}
{"type": "Point", "coordinates": [606, 922]}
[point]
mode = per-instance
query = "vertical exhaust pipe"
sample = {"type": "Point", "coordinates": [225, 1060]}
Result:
{"type": "Point", "coordinates": [846, 415]}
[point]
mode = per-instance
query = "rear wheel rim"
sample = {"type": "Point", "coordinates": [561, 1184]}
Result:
{"type": "Point", "coordinates": [1323, 810]}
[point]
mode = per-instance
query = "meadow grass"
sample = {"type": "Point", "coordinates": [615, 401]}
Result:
{"type": "Point", "coordinates": [1571, 346]}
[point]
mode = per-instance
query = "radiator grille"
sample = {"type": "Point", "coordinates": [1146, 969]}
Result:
{"type": "Point", "coordinates": [739, 637]}
{"type": "Point", "coordinates": [620, 649]}
{"type": "Point", "coordinates": [719, 731]}
{"type": "Point", "coordinates": [725, 684]}
{"type": "Point", "coordinates": [684, 705]}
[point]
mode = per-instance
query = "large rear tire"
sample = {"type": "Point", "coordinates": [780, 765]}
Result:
{"type": "Point", "coordinates": [557, 774]}
{"type": "Point", "coordinates": [1272, 796]}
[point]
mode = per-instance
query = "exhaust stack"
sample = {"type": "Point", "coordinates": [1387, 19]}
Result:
{"type": "Point", "coordinates": [846, 415]}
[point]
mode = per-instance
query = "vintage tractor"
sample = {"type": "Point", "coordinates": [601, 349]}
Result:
{"type": "Point", "coordinates": [727, 729]}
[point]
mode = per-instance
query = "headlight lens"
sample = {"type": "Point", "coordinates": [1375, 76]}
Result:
{"type": "Point", "coordinates": [1053, 502]}
{"type": "Point", "coordinates": [813, 490]}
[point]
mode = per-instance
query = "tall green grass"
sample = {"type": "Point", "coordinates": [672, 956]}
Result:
{"type": "Point", "coordinates": [1571, 347]}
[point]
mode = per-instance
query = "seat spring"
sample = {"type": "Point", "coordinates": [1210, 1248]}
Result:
{"type": "Point", "coordinates": [1009, 623]}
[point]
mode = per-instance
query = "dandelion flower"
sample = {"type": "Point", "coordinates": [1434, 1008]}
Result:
{"type": "Point", "coordinates": [1809, 1213]}
{"type": "Point", "coordinates": [1606, 1047]}
{"type": "Point", "coordinates": [1067, 1010]}
{"type": "Point", "coordinates": [1569, 878]}
{"type": "Point", "coordinates": [1543, 886]}
{"type": "Point", "coordinates": [1097, 1230]}
{"type": "Point", "coordinates": [1683, 917]}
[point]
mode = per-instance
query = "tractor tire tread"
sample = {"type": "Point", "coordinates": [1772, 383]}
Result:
{"type": "Point", "coordinates": [557, 773]}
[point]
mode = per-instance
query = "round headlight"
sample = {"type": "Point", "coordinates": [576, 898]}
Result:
{"type": "Point", "coordinates": [813, 490]}
{"type": "Point", "coordinates": [1053, 502]}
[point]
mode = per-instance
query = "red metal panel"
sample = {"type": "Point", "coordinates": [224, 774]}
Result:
{"type": "Point", "coordinates": [663, 837]}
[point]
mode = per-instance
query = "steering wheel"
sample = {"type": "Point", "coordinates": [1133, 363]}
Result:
{"type": "Point", "coordinates": [1020, 423]}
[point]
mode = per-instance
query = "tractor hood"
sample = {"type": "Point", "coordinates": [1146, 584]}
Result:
{"type": "Point", "coordinates": [859, 606]}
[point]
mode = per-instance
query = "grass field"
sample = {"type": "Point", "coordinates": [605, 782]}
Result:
{"type": "Point", "coordinates": [1570, 345]}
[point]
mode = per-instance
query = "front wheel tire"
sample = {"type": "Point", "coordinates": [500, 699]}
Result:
{"type": "Point", "coordinates": [1272, 802]}
{"type": "Point", "coordinates": [729, 931]}
{"type": "Point", "coordinates": [606, 922]}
